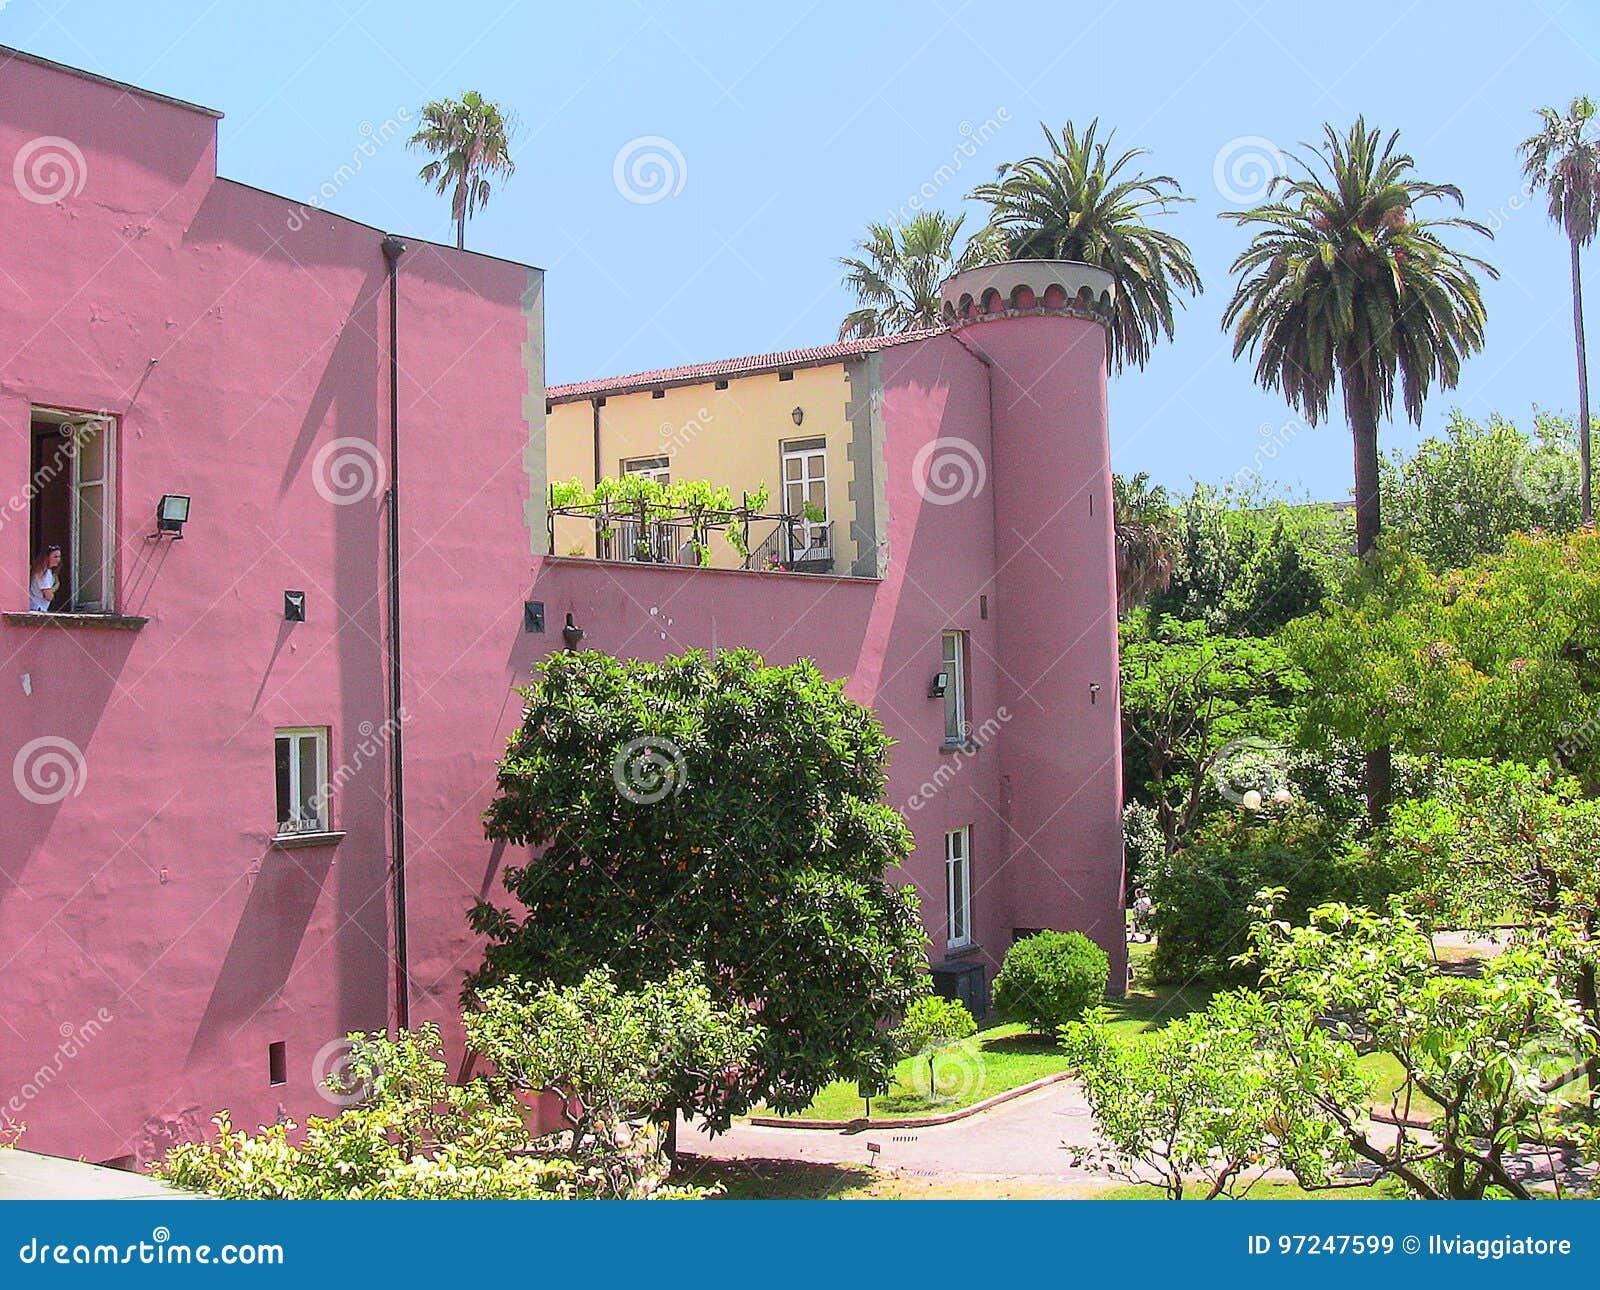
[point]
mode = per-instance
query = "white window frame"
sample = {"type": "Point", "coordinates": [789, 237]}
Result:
{"type": "Point", "coordinates": [296, 825]}
{"type": "Point", "coordinates": [78, 486]}
{"type": "Point", "coordinates": [658, 468]}
{"type": "Point", "coordinates": [953, 646]}
{"type": "Point", "coordinates": [958, 888]}
{"type": "Point", "coordinates": [812, 458]}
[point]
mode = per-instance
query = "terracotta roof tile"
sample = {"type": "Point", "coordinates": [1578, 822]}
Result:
{"type": "Point", "coordinates": [815, 356]}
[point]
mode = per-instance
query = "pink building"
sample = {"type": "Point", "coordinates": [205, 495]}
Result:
{"type": "Point", "coordinates": [201, 889]}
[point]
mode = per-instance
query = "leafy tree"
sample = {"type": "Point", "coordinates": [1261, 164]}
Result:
{"type": "Point", "coordinates": [1462, 495]}
{"type": "Point", "coordinates": [897, 274]}
{"type": "Point", "coordinates": [1512, 842]}
{"type": "Point", "coordinates": [1246, 563]}
{"type": "Point", "coordinates": [1563, 158]}
{"type": "Point", "coordinates": [1145, 545]}
{"type": "Point", "coordinates": [720, 812]}
{"type": "Point", "coordinates": [611, 1057]}
{"type": "Point", "coordinates": [1473, 1052]}
{"type": "Point", "coordinates": [1499, 660]}
{"type": "Point", "coordinates": [1196, 707]}
{"type": "Point", "coordinates": [1075, 202]}
{"type": "Point", "coordinates": [1049, 979]}
{"type": "Point", "coordinates": [410, 1133]}
{"type": "Point", "coordinates": [470, 138]}
{"type": "Point", "coordinates": [1342, 285]}
{"type": "Point", "coordinates": [932, 1023]}
{"type": "Point", "coordinates": [1203, 1103]}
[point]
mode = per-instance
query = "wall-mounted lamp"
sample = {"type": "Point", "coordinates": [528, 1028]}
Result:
{"type": "Point", "coordinates": [294, 606]}
{"type": "Point", "coordinates": [571, 633]}
{"type": "Point", "coordinates": [1094, 692]}
{"type": "Point", "coordinates": [938, 685]}
{"type": "Point", "coordinates": [798, 415]}
{"type": "Point", "coordinates": [172, 513]}
{"type": "Point", "coordinates": [533, 616]}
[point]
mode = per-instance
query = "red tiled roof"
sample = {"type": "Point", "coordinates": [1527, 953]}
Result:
{"type": "Point", "coordinates": [816, 356]}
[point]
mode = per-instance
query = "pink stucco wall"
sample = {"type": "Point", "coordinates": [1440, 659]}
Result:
{"type": "Point", "coordinates": [151, 890]}
{"type": "Point", "coordinates": [153, 941]}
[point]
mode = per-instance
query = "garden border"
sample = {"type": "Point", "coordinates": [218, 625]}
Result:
{"type": "Point", "coordinates": [913, 1121]}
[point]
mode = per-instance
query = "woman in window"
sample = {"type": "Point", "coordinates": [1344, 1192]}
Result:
{"type": "Point", "coordinates": [43, 580]}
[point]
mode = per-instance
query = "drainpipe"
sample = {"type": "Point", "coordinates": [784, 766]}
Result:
{"type": "Point", "coordinates": [594, 409]}
{"type": "Point", "coordinates": [393, 249]}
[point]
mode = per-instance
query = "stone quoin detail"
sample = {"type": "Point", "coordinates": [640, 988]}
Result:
{"type": "Point", "coordinates": [1024, 288]}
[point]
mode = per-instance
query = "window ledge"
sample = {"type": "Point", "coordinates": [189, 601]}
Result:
{"type": "Point", "coordinates": [959, 746]}
{"type": "Point", "coordinates": [103, 622]}
{"type": "Point", "coordinates": [956, 953]}
{"type": "Point", "coordinates": [292, 841]}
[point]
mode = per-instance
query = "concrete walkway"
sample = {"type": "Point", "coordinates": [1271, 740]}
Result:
{"type": "Point", "coordinates": [1019, 1139]}
{"type": "Point", "coordinates": [25, 1175]}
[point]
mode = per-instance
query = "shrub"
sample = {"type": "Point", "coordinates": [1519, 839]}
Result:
{"type": "Point", "coordinates": [1203, 892]}
{"type": "Point", "coordinates": [1049, 979]}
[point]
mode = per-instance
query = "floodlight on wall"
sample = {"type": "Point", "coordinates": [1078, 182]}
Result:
{"type": "Point", "coordinates": [172, 513]}
{"type": "Point", "coordinates": [938, 685]}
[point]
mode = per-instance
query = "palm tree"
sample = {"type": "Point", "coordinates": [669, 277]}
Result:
{"type": "Point", "coordinates": [471, 142]}
{"type": "Point", "coordinates": [1146, 549]}
{"type": "Point", "coordinates": [896, 278]}
{"type": "Point", "coordinates": [1340, 285]}
{"type": "Point", "coordinates": [1563, 161]}
{"type": "Point", "coordinates": [1072, 205]}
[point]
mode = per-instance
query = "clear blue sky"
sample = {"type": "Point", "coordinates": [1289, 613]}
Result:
{"type": "Point", "coordinates": [798, 123]}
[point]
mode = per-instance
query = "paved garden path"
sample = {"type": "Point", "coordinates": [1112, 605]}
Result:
{"type": "Point", "coordinates": [1019, 1139]}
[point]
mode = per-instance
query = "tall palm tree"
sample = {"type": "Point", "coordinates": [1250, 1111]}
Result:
{"type": "Point", "coordinates": [1076, 203]}
{"type": "Point", "coordinates": [897, 275]}
{"type": "Point", "coordinates": [1341, 285]}
{"type": "Point", "coordinates": [1565, 161]}
{"type": "Point", "coordinates": [471, 143]}
{"type": "Point", "coordinates": [1146, 547]}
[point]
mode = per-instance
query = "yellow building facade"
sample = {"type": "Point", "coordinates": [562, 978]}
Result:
{"type": "Point", "coordinates": [806, 424]}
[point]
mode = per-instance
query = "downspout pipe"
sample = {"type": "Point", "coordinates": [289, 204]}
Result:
{"type": "Point", "coordinates": [594, 409]}
{"type": "Point", "coordinates": [393, 249]}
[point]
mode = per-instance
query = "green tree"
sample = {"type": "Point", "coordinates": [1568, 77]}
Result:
{"type": "Point", "coordinates": [610, 1057]}
{"type": "Point", "coordinates": [1249, 563]}
{"type": "Point", "coordinates": [1202, 716]}
{"type": "Point", "coordinates": [721, 812]}
{"type": "Point", "coordinates": [1341, 285]}
{"type": "Point", "coordinates": [1499, 660]}
{"type": "Point", "coordinates": [932, 1023]}
{"type": "Point", "coordinates": [1146, 547]}
{"type": "Point", "coordinates": [1075, 202]}
{"type": "Point", "coordinates": [1202, 1103]}
{"type": "Point", "coordinates": [1462, 494]}
{"type": "Point", "coordinates": [1563, 158]}
{"type": "Point", "coordinates": [470, 139]}
{"type": "Point", "coordinates": [897, 274]}
{"type": "Point", "coordinates": [1473, 1053]}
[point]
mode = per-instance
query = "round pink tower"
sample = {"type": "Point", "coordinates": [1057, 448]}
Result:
{"type": "Point", "coordinates": [1040, 326]}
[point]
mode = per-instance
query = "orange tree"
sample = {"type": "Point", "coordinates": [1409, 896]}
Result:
{"type": "Point", "coordinates": [719, 812]}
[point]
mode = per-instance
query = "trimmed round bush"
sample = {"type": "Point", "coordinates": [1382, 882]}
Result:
{"type": "Point", "coordinates": [1049, 979]}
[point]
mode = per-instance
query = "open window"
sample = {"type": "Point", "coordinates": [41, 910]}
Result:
{"type": "Point", "coordinates": [301, 763]}
{"type": "Point", "coordinates": [72, 489]}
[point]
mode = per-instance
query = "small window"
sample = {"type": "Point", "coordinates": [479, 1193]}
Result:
{"type": "Point", "coordinates": [958, 887]}
{"type": "Point", "coordinates": [277, 1063]}
{"type": "Point", "coordinates": [72, 513]}
{"type": "Point", "coordinates": [656, 468]}
{"type": "Point", "coordinates": [302, 774]}
{"type": "Point", "coordinates": [955, 691]}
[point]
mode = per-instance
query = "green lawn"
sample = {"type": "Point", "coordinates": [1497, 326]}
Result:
{"type": "Point", "coordinates": [999, 1057]}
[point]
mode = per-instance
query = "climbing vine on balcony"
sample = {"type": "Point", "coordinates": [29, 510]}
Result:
{"type": "Point", "coordinates": [692, 507]}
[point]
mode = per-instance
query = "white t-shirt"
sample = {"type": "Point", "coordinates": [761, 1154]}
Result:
{"type": "Point", "coordinates": [39, 588]}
